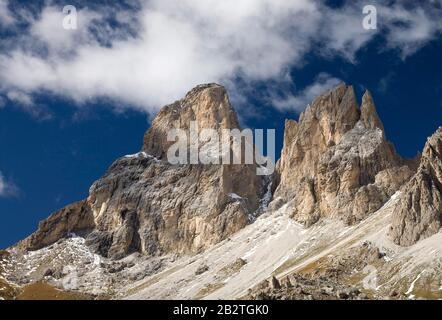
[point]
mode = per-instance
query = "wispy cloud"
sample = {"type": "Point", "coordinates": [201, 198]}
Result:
{"type": "Point", "coordinates": [6, 17]}
{"type": "Point", "coordinates": [409, 30]}
{"type": "Point", "coordinates": [298, 102]}
{"type": "Point", "coordinates": [151, 53]}
{"type": "Point", "coordinates": [7, 188]}
{"type": "Point", "coordinates": [26, 102]}
{"type": "Point", "coordinates": [20, 97]}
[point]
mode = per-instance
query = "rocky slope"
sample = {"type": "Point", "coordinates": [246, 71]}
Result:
{"type": "Point", "coordinates": [348, 217]}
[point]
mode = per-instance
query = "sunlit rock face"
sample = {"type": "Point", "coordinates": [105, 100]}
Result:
{"type": "Point", "coordinates": [418, 214]}
{"type": "Point", "coordinates": [336, 161]}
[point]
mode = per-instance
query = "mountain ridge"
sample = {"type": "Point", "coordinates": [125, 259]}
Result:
{"type": "Point", "coordinates": [339, 189]}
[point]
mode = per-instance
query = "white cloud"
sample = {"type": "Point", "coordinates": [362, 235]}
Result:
{"type": "Point", "coordinates": [21, 98]}
{"type": "Point", "coordinates": [6, 17]}
{"type": "Point", "coordinates": [343, 32]}
{"type": "Point", "coordinates": [409, 30]}
{"type": "Point", "coordinates": [298, 102]}
{"type": "Point", "coordinates": [48, 29]}
{"type": "Point", "coordinates": [406, 28]}
{"type": "Point", "coordinates": [26, 103]}
{"type": "Point", "coordinates": [7, 188]}
{"type": "Point", "coordinates": [180, 43]}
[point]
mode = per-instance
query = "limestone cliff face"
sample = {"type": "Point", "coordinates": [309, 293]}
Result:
{"type": "Point", "coordinates": [143, 203]}
{"type": "Point", "coordinates": [321, 126]}
{"type": "Point", "coordinates": [336, 162]}
{"type": "Point", "coordinates": [74, 218]}
{"type": "Point", "coordinates": [418, 214]}
{"type": "Point", "coordinates": [207, 105]}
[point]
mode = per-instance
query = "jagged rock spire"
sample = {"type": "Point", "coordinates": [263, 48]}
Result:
{"type": "Point", "coordinates": [332, 156]}
{"type": "Point", "coordinates": [369, 116]}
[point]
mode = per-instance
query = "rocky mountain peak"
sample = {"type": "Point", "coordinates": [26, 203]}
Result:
{"type": "Point", "coordinates": [336, 161]}
{"type": "Point", "coordinates": [418, 214]}
{"type": "Point", "coordinates": [432, 154]}
{"type": "Point", "coordinates": [331, 114]}
{"type": "Point", "coordinates": [369, 116]}
{"type": "Point", "coordinates": [208, 105]}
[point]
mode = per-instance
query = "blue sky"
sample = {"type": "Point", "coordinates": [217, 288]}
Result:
{"type": "Point", "coordinates": [72, 102]}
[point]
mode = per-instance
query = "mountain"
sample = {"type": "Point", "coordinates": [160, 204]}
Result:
{"type": "Point", "coordinates": [418, 215]}
{"type": "Point", "coordinates": [342, 217]}
{"type": "Point", "coordinates": [144, 204]}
